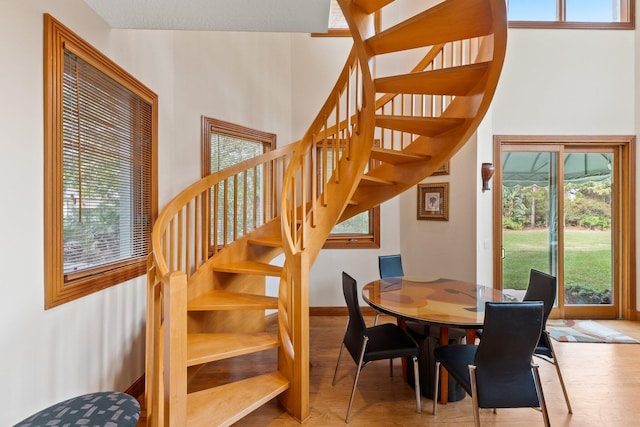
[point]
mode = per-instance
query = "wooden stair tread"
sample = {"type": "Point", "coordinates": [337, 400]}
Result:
{"type": "Point", "coordinates": [426, 126]}
{"type": "Point", "coordinates": [269, 234]}
{"type": "Point", "coordinates": [204, 348]}
{"type": "Point", "coordinates": [466, 92]}
{"type": "Point", "coordinates": [223, 300]}
{"type": "Point", "coordinates": [368, 181]}
{"type": "Point", "coordinates": [396, 157]}
{"type": "Point", "coordinates": [457, 81]}
{"type": "Point", "coordinates": [448, 21]}
{"type": "Point", "coordinates": [249, 267]}
{"type": "Point", "coordinates": [226, 404]}
{"type": "Point", "coordinates": [371, 6]}
{"type": "Point", "coordinates": [274, 241]}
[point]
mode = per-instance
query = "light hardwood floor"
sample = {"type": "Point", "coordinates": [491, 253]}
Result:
{"type": "Point", "coordinates": [603, 381]}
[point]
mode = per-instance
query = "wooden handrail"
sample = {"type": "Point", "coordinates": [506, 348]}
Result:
{"type": "Point", "coordinates": [315, 184]}
{"type": "Point", "coordinates": [184, 212]}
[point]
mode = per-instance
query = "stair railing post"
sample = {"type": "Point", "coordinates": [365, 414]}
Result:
{"type": "Point", "coordinates": [301, 334]}
{"type": "Point", "coordinates": [175, 348]}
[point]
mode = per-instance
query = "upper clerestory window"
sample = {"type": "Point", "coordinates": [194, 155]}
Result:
{"type": "Point", "coordinates": [577, 14]}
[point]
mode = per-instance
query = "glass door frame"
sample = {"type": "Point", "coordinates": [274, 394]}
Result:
{"type": "Point", "coordinates": [623, 227]}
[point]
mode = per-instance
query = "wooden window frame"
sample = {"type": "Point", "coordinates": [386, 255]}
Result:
{"type": "Point", "coordinates": [368, 240]}
{"type": "Point", "coordinates": [627, 10]}
{"type": "Point", "coordinates": [625, 212]}
{"type": "Point", "coordinates": [208, 127]}
{"type": "Point", "coordinates": [334, 9]}
{"type": "Point", "coordinates": [58, 288]}
{"type": "Point", "coordinates": [334, 15]}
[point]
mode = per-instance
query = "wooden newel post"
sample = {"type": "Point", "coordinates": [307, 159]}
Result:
{"type": "Point", "coordinates": [175, 349]}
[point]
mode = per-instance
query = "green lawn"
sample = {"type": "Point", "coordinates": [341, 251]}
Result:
{"type": "Point", "coordinates": [587, 257]}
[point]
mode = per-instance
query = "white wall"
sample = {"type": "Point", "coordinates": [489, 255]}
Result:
{"type": "Point", "coordinates": [566, 82]}
{"type": "Point", "coordinates": [443, 248]}
{"type": "Point", "coordinates": [313, 76]}
{"type": "Point", "coordinates": [242, 78]}
{"type": "Point", "coordinates": [554, 82]}
{"type": "Point", "coordinates": [95, 343]}
{"type": "Point", "coordinates": [362, 264]}
{"type": "Point", "coordinates": [557, 82]}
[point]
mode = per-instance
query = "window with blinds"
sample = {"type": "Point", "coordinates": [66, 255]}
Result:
{"type": "Point", "coordinates": [241, 199]}
{"type": "Point", "coordinates": [106, 160]}
{"type": "Point", "coordinates": [100, 150]}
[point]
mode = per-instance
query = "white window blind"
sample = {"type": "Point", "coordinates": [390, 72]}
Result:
{"type": "Point", "coordinates": [107, 168]}
{"type": "Point", "coordinates": [227, 150]}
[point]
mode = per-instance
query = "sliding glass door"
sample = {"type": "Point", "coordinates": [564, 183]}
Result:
{"type": "Point", "coordinates": [560, 213]}
{"type": "Point", "coordinates": [589, 224]}
{"type": "Point", "coordinates": [529, 217]}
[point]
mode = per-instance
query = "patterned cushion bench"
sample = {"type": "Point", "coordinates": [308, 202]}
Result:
{"type": "Point", "coordinates": [104, 409]}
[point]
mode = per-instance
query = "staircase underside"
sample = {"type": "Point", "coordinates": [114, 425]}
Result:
{"type": "Point", "coordinates": [214, 263]}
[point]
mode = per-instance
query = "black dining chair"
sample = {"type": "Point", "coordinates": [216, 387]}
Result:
{"type": "Point", "coordinates": [498, 372]}
{"type": "Point", "coordinates": [367, 344]}
{"type": "Point", "coordinates": [543, 287]}
{"type": "Point", "coordinates": [389, 266]}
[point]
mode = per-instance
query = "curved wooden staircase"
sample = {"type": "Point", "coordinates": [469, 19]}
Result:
{"type": "Point", "coordinates": [375, 137]}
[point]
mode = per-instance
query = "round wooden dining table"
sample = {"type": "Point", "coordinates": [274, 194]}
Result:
{"type": "Point", "coordinates": [447, 303]}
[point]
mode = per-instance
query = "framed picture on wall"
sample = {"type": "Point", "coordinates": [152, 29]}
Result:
{"type": "Point", "coordinates": [433, 201]}
{"type": "Point", "coordinates": [443, 170]}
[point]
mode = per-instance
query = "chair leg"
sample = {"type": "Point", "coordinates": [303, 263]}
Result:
{"type": "Point", "coordinates": [355, 380]}
{"type": "Point", "coordinates": [436, 383]}
{"type": "Point", "coordinates": [474, 395]}
{"type": "Point", "coordinates": [353, 393]}
{"type": "Point", "coordinates": [557, 365]}
{"type": "Point", "coordinates": [543, 404]}
{"type": "Point", "coordinates": [416, 380]}
{"type": "Point", "coordinates": [375, 321]}
{"type": "Point", "coordinates": [335, 373]}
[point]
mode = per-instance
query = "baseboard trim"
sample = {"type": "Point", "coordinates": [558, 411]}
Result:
{"type": "Point", "coordinates": [137, 388]}
{"type": "Point", "coordinates": [338, 311]}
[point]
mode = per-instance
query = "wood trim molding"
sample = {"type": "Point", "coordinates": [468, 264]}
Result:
{"type": "Point", "coordinates": [209, 125]}
{"type": "Point", "coordinates": [338, 311]}
{"type": "Point", "coordinates": [627, 152]}
{"type": "Point", "coordinates": [136, 389]}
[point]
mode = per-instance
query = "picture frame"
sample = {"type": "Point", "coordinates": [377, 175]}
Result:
{"type": "Point", "coordinates": [433, 201]}
{"type": "Point", "coordinates": [443, 170]}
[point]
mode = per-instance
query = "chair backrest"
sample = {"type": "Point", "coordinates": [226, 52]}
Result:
{"type": "Point", "coordinates": [356, 328]}
{"type": "Point", "coordinates": [542, 287]}
{"type": "Point", "coordinates": [390, 266]}
{"type": "Point", "coordinates": [503, 358]}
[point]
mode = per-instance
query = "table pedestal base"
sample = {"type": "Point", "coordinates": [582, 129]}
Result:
{"type": "Point", "coordinates": [428, 339]}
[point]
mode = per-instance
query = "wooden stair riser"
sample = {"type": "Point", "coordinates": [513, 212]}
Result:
{"type": "Point", "coordinates": [221, 314]}
{"type": "Point", "coordinates": [472, 18]}
{"type": "Point", "coordinates": [205, 348]}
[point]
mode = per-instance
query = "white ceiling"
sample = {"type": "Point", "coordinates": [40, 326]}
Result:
{"type": "Point", "coordinates": [215, 15]}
